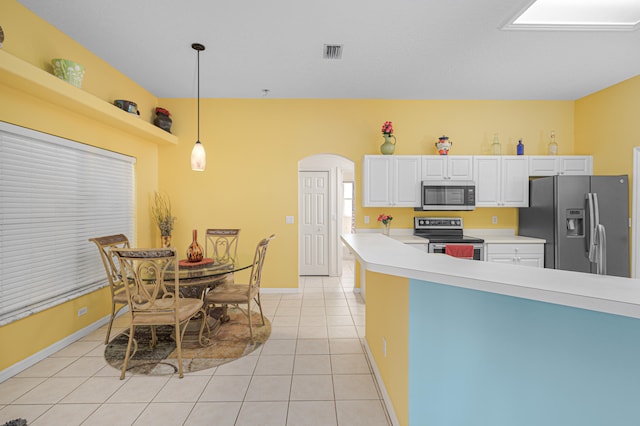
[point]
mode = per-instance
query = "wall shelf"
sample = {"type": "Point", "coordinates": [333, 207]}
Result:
{"type": "Point", "coordinates": [23, 76]}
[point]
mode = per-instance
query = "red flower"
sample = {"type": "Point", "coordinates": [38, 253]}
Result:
{"type": "Point", "coordinates": [387, 128]}
{"type": "Point", "coordinates": [385, 218]}
{"type": "Point", "coordinates": [160, 110]}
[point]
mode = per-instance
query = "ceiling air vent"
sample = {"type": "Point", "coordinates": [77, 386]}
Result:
{"type": "Point", "coordinates": [332, 51]}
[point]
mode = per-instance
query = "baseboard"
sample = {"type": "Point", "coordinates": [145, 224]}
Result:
{"type": "Point", "coordinates": [279, 290]}
{"type": "Point", "coordinates": [18, 367]}
{"type": "Point", "coordinates": [383, 390]}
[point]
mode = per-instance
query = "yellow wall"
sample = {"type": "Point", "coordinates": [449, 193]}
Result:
{"type": "Point", "coordinates": [254, 146]}
{"type": "Point", "coordinates": [387, 317]}
{"type": "Point", "coordinates": [608, 126]}
{"type": "Point", "coordinates": [34, 41]}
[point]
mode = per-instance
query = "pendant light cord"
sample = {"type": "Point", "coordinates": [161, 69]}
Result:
{"type": "Point", "coordinates": [198, 95]}
{"type": "Point", "coordinates": [198, 48]}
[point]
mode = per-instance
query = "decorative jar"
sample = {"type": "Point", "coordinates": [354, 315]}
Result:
{"type": "Point", "coordinates": [163, 119]}
{"type": "Point", "coordinates": [443, 145]}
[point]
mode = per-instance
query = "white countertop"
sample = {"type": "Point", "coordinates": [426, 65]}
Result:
{"type": "Point", "coordinates": [409, 239]}
{"type": "Point", "coordinates": [504, 239]}
{"type": "Point", "coordinates": [613, 295]}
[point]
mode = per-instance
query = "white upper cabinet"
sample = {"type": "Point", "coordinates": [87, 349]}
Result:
{"type": "Point", "coordinates": [438, 167]}
{"type": "Point", "coordinates": [545, 165]}
{"type": "Point", "coordinates": [391, 181]}
{"type": "Point", "coordinates": [501, 181]}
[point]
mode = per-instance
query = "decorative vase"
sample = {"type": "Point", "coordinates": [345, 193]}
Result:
{"type": "Point", "coordinates": [388, 147]}
{"type": "Point", "coordinates": [166, 241]}
{"type": "Point", "coordinates": [443, 145]}
{"type": "Point", "coordinates": [69, 71]}
{"type": "Point", "coordinates": [194, 252]}
{"type": "Point", "coordinates": [163, 121]}
{"type": "Point", "coordinates": [386, 227]}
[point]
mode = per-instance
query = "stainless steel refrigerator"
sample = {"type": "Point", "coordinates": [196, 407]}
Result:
{"type": "Point", "coordinates": [585, 220]}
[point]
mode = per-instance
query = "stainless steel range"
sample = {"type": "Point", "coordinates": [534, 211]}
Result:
{"type": "Point", "coordinates": [444, 231]}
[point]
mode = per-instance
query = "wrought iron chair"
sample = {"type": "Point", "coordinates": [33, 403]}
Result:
{"type": "Point", "coordinates": [221, 245]}
{"type": "Point", "coordinates": [154, 296]}
{"type": "Point", "coordinates": [243, 294]}
{"type": "Point", "coordinates": [112, 268]}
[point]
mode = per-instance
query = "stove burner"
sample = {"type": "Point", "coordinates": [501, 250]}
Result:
{"type": "Point", "coordinates": [443, 230]}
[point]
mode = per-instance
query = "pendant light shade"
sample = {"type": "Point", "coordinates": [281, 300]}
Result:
{"type": "Point", "coordinates": [198, 158]}
{"type": "Point", "coordinates": [198, 155]}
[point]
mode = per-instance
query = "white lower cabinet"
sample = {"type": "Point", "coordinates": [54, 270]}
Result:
{"type": "Point", "coordinates": [516, 254]}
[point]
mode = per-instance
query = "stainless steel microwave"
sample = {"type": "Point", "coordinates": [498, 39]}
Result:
{"type": "Point", "coordinates": [448, 195]}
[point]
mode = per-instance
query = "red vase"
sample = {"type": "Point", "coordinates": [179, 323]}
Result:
{"type": "Point", "coordinates": [195, 252]}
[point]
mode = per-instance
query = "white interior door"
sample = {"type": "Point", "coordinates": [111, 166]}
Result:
{"type": "Point", "coordinates": [314, 223]}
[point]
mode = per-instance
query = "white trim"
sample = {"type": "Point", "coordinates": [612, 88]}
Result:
{"type": "Point", "coordinates": [635, 209]}
{"type": "Point", "coordinates": [338, 167]}
{"type": "Point", "coordinates": [279, 290]}
{"type": "Point", "coordinates": [383, 390]}
{"type": "Point", "coordinates": [18, 367]}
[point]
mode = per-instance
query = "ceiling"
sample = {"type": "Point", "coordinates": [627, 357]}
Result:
{"type": "Point", "coordinates": [401, 49]}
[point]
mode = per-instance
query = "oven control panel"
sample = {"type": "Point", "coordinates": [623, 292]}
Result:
{"type": "Point", "coordinates": [438, 223]}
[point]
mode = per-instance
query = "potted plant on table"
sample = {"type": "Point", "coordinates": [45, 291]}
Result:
{"type": "Point", "coordinates": [164, 219]}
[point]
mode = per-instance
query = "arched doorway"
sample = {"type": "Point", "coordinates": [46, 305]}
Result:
{"type": "Point", "coordinates": [321, 204]}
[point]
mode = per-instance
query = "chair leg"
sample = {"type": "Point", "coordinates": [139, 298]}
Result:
{"type": "Point", "coordinates": [126, 356]}
{"type": "Point", "coordinates": [250, 324]}
{"type": "Point", "coordinates": [113, 316]}
{"type": "Point", "coordinates": [114, 313]}
{"type": "Point", "coordinates": [154, 338]}
{"type": "Point", "coordinates": [201, 337]}
{"type": "Point", "coordinates": [179, 336]}
{"type": "Point", "coordinates": [259, 302]}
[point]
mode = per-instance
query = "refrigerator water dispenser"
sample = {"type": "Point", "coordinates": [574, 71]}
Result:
{"type": "Point", "coordinates": [575, 223]}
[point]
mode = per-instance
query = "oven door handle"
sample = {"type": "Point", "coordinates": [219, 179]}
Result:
{"type": "Point", "coordinates": [438, 245]}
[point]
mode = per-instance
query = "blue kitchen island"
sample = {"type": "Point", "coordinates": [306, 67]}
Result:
{"type": "Point", "coordinates": [460, 342]}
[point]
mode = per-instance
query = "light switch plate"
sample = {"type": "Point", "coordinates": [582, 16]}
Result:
{"type": "Point", "coordinates": [289, 220]}
{"type": "Point", "coordinates": [366, 220]}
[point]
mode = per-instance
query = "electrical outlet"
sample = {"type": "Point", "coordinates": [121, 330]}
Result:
{"type": "Point", "coordinates": [289, 220]}
{"type": "Point", "coordinates": [494, 220]}
{"type": "Point", "coordinates": [366, 220]}
{"type": "Point", "coordinates": [384, 346]}
{"type": "Point", "coordinates": [82, 311]}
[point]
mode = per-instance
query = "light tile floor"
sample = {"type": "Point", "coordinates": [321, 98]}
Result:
{"type": "Point", "coordinates": [312, 371]}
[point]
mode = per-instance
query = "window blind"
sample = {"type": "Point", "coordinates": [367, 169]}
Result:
{"type": "Point", "coordinates": [55, 194]}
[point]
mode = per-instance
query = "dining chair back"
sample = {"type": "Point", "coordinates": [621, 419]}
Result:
{"type": "Point", "coordinates": [244, 294]}
{"type": "Point", "coordinates": [154, 296]}
{"type": "Point", "coordinates": [221, 245]}
{"type": "Point", "coordinates": [112, 268]}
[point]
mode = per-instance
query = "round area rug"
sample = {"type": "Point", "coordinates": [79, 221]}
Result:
{"type": "Point", "coordinates": [230, 341]}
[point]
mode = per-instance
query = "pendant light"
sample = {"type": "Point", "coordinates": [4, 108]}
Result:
{"type": "Point", "coordinates": [198, 156]}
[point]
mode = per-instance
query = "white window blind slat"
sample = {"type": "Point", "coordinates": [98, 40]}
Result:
{"type": "Point", "coordinates": [55, 194]}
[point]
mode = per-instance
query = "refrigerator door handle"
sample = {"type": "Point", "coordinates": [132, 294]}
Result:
{"type": "Point", "coordinates": [593, 226]}
{"type": "Point", "coordinates": [602, 250]}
